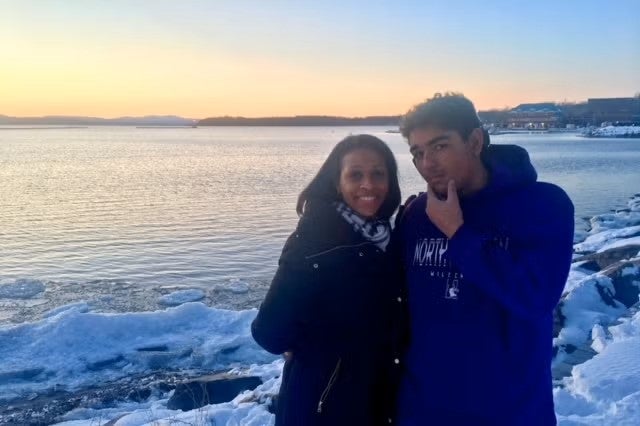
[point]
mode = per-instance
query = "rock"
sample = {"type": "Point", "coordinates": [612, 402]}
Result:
{"type": "Point", "coordinates": [591, 265]}
{"type": "Point", "coordinates": [625, 282]}
{"type": "Point", "coordinates": [50, 407]}
{"type": "Point", "coordinates": [622, 266]}
{"type": "Point", "coordinates": [139, 395]}
{"type": "Point", "coordinates": [607, 296]}
{"type": "Point", "coordinates": [558, 319]}
{"type": "Point", "coordinates": [611, 256]}
{"type": "Point", "coordinates": [212, 389]}
{"type": "Point", "coordinates": [578, 355]}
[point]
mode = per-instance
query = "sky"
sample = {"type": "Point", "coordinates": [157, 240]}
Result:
{"type": "Point", "coordinates": [197, 58]}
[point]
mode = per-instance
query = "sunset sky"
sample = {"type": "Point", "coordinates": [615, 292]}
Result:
{"type": "Point", "coordinates": [197, 59]}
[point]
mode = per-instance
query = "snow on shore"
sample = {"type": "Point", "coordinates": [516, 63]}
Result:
{"type": "Point", "coordinates": [604, 390]}
{"type": "Point", "coordinates": [613, 132]}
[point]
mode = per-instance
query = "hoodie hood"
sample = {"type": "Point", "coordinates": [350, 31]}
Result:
{"type": "Point", "coordinates": [509, 166]}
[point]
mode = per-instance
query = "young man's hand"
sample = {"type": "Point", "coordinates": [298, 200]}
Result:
{"type": "Point", "coordinates": [445, 214]}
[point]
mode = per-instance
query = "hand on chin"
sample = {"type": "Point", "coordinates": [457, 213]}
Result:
{"type": "Point", "coordinates": [438, 189]}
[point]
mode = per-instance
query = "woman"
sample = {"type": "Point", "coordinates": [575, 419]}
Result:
{"type": "Point", "coordinates": [335, 304]}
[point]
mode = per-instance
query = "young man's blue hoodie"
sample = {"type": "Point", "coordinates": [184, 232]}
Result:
{"type": "Point", "coordinates": [481, 302]}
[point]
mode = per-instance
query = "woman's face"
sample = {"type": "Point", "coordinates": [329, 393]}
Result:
{"type": "Point", "coordinates": [364, 181]}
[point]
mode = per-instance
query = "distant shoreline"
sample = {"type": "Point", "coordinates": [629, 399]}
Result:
{"type": "Point", "coordinates": [180, 122]}
{"type": "Point", "coordinates": [3, 127]}
{"type": "Point", "coordinates": [166, 127]}
{"type": "Point", "coordinates": [302, 121]}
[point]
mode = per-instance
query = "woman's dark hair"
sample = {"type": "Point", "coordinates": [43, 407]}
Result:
{"type": "Point", "coordinates": [324, 186]}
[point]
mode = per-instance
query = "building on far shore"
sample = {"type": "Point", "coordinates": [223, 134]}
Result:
{"type": "Point", "coordinates": [536, 116]}
{"type": "Point", "coordinates": [614, 110]}
{"type": "Point", "coordinates": [547, 115]}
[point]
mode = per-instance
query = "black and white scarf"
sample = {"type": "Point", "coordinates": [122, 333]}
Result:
{"type": "Point", "coordinates": [378, 231]}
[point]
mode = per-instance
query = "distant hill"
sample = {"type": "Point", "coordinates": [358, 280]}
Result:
{"type": "Point", "coordinates": [56, 120]}
{"type": "Point", "coordinates": [302, 120]}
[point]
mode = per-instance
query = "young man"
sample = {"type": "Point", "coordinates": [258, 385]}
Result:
{"type": "Point", "coordinates": [487, 252]}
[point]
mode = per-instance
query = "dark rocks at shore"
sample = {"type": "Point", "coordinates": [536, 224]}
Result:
{"type": "Point", "coordinates": [617, 264]}
{"type": "Point", "coordinates": [191, 391]}
{"type": "Point", "coordinates": [621, 265]}
{"type": "Point", "coordinates": [627, 285]}
{"type": "Point", "coordinates": [612, 263]}
{"type": "Point", "coordinates": [602, 261]}
{"type": "Point", "coordinates": [46, 409]}
{"type": "Point", "coordinates": [212, 389]}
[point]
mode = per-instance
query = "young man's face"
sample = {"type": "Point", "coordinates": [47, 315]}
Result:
{"type": "Point", "coordinates": [442, 155]}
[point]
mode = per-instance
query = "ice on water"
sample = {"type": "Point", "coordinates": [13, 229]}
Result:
{"type": "Point", "coordinates": [21, 289]}
{"type": "Point", "coordinates": [182, 296]}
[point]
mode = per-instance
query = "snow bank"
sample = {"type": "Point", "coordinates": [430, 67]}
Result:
{"type": "Point", "coordinates": [613, 132]}
{"type": "Point", "coordinates": [606, 389]}
{"type": "Point", "coordinates": [73, 347]}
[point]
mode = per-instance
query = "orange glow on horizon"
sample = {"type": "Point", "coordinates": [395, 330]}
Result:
{"type": "Point", "coordinates": [47, 70]}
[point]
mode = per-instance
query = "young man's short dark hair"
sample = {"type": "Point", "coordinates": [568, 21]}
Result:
{"type": "Point", "coordinates": [448, 111]}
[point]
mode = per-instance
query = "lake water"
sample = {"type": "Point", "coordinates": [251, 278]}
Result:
{"type": "Point", "coordinates": [108, 211]}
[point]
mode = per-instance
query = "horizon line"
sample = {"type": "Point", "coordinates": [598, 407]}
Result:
{"type": "Point", "coordinates": [228, 116]}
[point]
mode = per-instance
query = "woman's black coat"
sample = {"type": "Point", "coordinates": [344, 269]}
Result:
{"type": "Point", "coordinates": [337, 303]}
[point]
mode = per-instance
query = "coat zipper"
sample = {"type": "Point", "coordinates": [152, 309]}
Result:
{"type": "Point", "coordinates": [332, 380]}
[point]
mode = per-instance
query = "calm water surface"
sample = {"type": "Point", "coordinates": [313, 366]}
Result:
{"type": "Point", "coordinates": [211, 206]}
